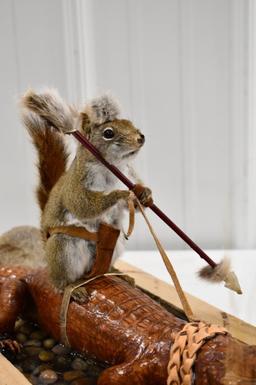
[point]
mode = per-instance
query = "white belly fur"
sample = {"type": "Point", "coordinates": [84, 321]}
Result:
{"type": "Point", "coordinates": [80, 251]}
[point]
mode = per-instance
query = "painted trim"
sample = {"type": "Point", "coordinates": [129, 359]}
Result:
{"type": "Point", "coordinates": [251, 114]}
{"type": "Point", "coordinates": [78, 37]}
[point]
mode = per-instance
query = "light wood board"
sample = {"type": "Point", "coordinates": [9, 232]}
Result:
{"type": "Point", "coordinates": [202, 310]}
{"type": "Point", "coordinates": [9, 375]}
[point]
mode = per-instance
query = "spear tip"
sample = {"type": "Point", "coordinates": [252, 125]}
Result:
{"type": "Point", "coordinates": [221, 272]}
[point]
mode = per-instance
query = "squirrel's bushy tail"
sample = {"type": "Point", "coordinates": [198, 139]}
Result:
{"type": "Point", "coordinates": [45, 115]}
{"type": "Point", "coordinates": [52, 154]}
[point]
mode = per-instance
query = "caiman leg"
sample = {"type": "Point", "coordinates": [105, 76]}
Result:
{"type": "Point", "coordinates": [133, 373]}
{"type": "Point", "coordinates": [12, 294]}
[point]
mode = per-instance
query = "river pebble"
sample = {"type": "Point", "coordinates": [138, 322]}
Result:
{"type": "Point", "coordinates": [48, 376]}
{"type": "Point", "coordinates": [32, 350]}
{"type": "Point", "coordinates": [63, 383]}
{"type": "Point", "coordinates": [45, 356]}
{"type": "Point", "coordinates": [29, 364]}
{"type": "Point", "coordinates": [20, 337]}
{"type": "Point", "coordinates": [44, 361]}
{"type": "Point", "coordinates": [49, 343]}
{"type": "Point", "coordinates": [26, 329]}
{"type": "Point", "coordinates": [83, 381]}
{"type": "Point", "coordinates": [38, 335]}
{"type": "Point", "coordinates": [32, 379]}
{"type": "Point", "coordinates": [18, 324]}
{"type": "Point", "coordinates": [79, 364]}
{"type": "Point", "coordinates": [60, 349]}
{"type": "Point", "coordinates": [73, 375]}
{"type": "Point", "coordinates": [34, 343]}
{"type": "Point", "coordinates": [41, 368]}
{"type": "Point", "coordinates": [62, 362]}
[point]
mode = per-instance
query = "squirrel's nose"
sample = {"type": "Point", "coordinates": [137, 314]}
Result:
{"type": "Point", "coordinates": [141, 139]}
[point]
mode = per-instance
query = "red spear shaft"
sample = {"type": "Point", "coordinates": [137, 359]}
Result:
{"type": "Point", "coordinates": [85, 142]}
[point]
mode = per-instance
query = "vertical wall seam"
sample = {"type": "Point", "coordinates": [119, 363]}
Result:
{"type": "Point", "coordinates": [182, 112]}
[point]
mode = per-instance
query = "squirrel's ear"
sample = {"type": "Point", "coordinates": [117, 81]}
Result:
{"type": "Point", "coordinates": [85, 125]}
{"type": "Point", "coordinates": [102, 109]}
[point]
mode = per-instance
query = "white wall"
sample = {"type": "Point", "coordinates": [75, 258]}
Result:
{"type": "Point", "coordinates": [32, 54]}
{"type": "Point", "coordinates": [179, 68]}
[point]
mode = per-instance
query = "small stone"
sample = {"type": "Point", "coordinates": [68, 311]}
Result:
{"type": "Point", "coordinates": [26, 329]}
{"type": "Point", "coordinates": [94, 370]}
{"type": "Point", "coordinates": [40, 369]}
{"type": "Point", "coordinates": [18, 324]}
{"type": "Point", "coordinates": [60, 349]}
{"type": "Point", "coordinates": [20, 337]}
{"type": "Point", "coordinates": [73, 375]}
{"type": "Point", "coordinates": [48, 376]}
{"type": "Point", "coordinates": [84, 381]}
{"type": "Point", "coordinates": [34, 343]}
{"type": "Point", "coordinates": [22, 355]}
{"type": "Point", "coordinates": [60, 383]}
{"type": "Point", "coordinates": [38, 335]}
{"type": "Point", "coordinates": [49, 343]}
{"type": "Point", "coordinates": [32, 379]}
{"type": "Point", "coordinates": [29, 364]}
{"type": "Point", "coordinates": [79, 364]}
{"type": "Point", "coordinates": [90, 362]}
{"type": "Point", "coordinates": [32, 350]}
{"type": "Point", "coordinates": [62, 363]}
{"type": "Point", "coordinates": [46, 356]}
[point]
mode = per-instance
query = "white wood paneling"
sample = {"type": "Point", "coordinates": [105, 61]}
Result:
{"type": "Point", "coordinates": [239, 63]}
{"type": "Point", "coordinates": [180, 69]}
{"type": "Point", "coordinates": [251, 137]}
{"type": "Point", "coordinates": [32, 54]}
{"type": "Point", "coordinates": [205, 108]}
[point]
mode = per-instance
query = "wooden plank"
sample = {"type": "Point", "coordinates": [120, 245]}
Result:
{"type": "Point", "coordinates": [202, 310]}
{"type": "Point", "coordinates": [9, 375]}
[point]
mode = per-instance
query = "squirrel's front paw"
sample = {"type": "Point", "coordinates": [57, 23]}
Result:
{"type": "Point", "coordinates": [144, 194]}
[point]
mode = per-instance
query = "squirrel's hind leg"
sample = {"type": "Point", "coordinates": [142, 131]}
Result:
{"type": "Point", "coordinates": [68, 259]}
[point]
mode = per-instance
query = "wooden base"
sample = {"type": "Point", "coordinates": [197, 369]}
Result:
{"type": "Point", "coordinates": [202, 310]}
{"type": "Point", "coordinates": [9, 375]}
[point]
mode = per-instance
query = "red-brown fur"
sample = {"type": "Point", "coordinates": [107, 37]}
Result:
{"type": "Point", "coordinates": [52, 155]}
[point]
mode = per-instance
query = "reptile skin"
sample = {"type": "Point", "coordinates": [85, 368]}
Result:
{"type": "Point", "coordinates": [124, 327]}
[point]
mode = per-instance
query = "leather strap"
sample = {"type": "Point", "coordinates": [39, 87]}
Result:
{"type": "Point", "coordinates": [182, 296]}
{"type": "Point", "coordinates": [131, 208]}
{"type": "Point", "coordinates": [66, 300]}
{"type": "Point", "coordinates": [74, 231]}
{"type": "Point", "coordinates": [184, 350]}
{"type": "Point", "coordinates": [106, 240]}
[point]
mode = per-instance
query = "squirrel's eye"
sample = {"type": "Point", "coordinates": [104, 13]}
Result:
{"type": "Point", "coordinates": [108, 133]}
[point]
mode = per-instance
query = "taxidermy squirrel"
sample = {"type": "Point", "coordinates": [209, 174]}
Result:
{"type": "Point", "coordinates": [86, 194]}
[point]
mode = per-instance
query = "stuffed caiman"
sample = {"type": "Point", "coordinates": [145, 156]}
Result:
{"type": "Point", "coordinates": [121, 326]}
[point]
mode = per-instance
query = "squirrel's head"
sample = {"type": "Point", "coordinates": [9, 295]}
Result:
{"type": "Point", "coordinates": [117, 139]}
